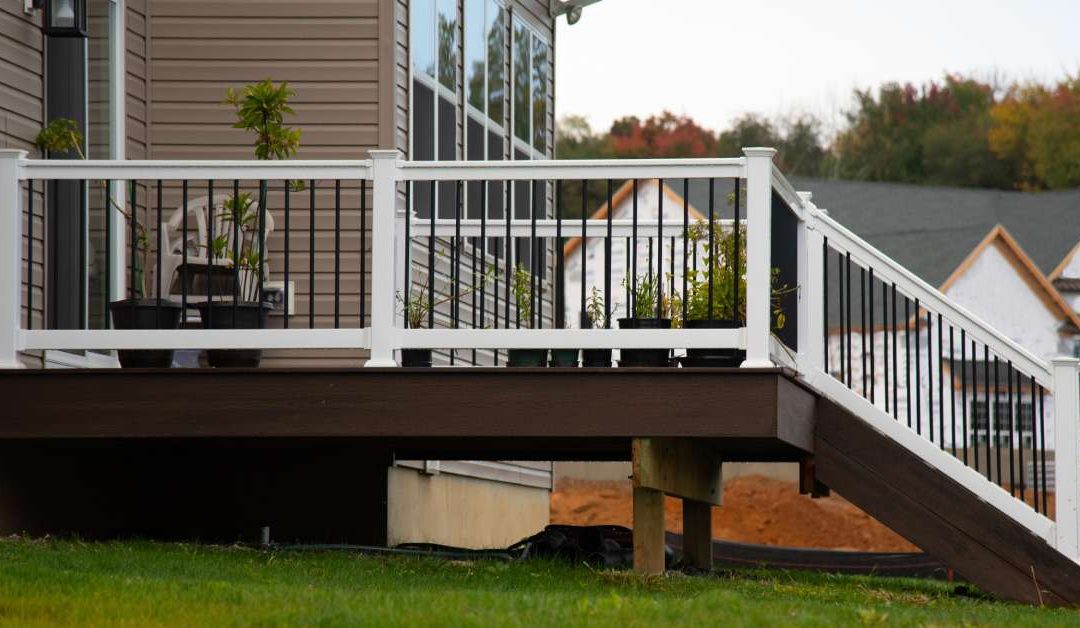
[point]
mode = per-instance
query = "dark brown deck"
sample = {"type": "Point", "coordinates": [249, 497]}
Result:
{"type": "Point", "coordinates": [585, 414]}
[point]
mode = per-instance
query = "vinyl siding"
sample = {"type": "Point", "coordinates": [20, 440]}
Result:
{"type": "Point", "coordinates": [22, 108]}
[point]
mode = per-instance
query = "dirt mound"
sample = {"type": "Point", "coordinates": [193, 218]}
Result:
{"type": "Point", "coordinates": [756, 510]}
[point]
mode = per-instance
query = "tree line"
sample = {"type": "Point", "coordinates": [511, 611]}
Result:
{"type": "Point", "coordinates": [958, 131]}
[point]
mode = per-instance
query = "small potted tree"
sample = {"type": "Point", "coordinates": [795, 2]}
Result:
{"type": "Point", "coordinates": [593, 317]}
{"type": "Point", "coordinates": [260, 109]}
{"type": "Point", "coordinates": [721, 304]}
{"type": "Point", "coordinates": [651, 310]}
{"type": "Point", "coordinates": [415, 308]}
{"type": "Point", "coordinates": [521, 286]}
{"type": "Point", "coordinates": [137, 312]}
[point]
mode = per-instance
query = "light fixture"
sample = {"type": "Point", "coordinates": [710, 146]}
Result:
{"type": "Point", "coordinates": [65, 18]}
{"type": "Point", "coordinates": [570, 8]}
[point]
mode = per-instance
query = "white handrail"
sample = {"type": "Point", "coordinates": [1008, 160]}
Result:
{"type": "Point", "coordinates": [168, 170]}
{"type": "Point", "coordinates": [573, 169]}
{"type": "Point", "coordinates": [886, 269]}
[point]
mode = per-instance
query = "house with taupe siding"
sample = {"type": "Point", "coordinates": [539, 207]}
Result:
{"type": "Point", "coordinates": [434, 79]}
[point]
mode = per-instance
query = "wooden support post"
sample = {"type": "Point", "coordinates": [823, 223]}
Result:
{"type": "Point", "coordinates": [648, 531]}
{"type": "Point", "coordinates": [697, 534]}
{"type": "Point", "coordinates": [684, 468]}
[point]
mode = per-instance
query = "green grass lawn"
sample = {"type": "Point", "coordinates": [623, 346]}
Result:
{"type": "Point", "coordinates": [140, 584]}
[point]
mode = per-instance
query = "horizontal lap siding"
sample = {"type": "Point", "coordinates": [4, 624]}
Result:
{"type": "Point", "coordinates": [328, 52]}
{"type": "Point", "coordinates": [22, 103]}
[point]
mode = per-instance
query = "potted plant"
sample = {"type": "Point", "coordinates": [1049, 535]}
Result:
{"type": "Point", "coordinates": [260, 109]}
{"type": "Point", "coordinates": [240, 307]}
{"type": "Point", "coordinates": [521, 286]}
{"type": "Point", "coordinates": [714, 306]}
{"type": "Point", "coordinates": [651, 310]}
{"type": "Point", "coordinates": [416, 306]}
{"type": "Point", "coordinates": [137, 312]}
{"type": "Point", "coordinates": [593, 318]}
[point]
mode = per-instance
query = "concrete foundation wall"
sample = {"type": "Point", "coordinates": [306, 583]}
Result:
{"type": "Point", "coordinates": [461, 511]}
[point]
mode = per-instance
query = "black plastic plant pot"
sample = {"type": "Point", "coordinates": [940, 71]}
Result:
{"type": "Point", "coordinates": [145, 314]}
{"type": "Point", "coordinates": [527, 357]}
{"type": "Point", "coordinates": [726, 358]}
{"type": "Point", "coordinates": [419, 358]}
{"type": "Point", "coordinates": [227, 315]}
{"type": "Point", "coordinates": [645, 357]}
{"type": "Point", "coordinates": [596, 358]}
{"type": "Point", "coordinates": [564, 358]}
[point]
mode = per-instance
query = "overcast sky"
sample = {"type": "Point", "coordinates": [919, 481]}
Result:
{"type": "Point", "coordinates": [716, 59]}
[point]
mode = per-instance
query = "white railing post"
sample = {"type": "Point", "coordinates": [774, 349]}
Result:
{"type": "Point", "coordinates": [811, 295]}
{"type": "Point", "coordinates": [384, 249]}
{"type": "Point", "coordinates": [1067, 455]}
{"type": "Point", "coordinates": [11, 230]}
{"type": "Point", "coordinates": [758, 255]}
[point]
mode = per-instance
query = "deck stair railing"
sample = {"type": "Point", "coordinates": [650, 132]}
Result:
{"type": "Point", "coordinates": [358, 237]}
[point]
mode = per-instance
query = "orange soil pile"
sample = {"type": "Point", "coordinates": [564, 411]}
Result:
{"type": "Point", "coordinates": [756, 510]}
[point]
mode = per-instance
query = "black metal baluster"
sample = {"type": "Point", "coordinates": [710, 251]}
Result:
{"type": "Point", "coordinates": [108, 253]}
{"type": "Point", "coordinates": [484, 274]}
{"type": "Point", "coordinates": [209, 253]}
{"type": "Point", "coordinates": [1012, 418]}
{"type": "Point", "coordinates": [534, 254]}
{"type": "Point", "coordinates": [510, 252]}
{"type": "Point", "coordinates": [363, 252]}
{"type": "Point", "coordinates": [311, 257]}
{"type": "Point", "coordinates": [843, 322]}
{"type": "Point", "coordinates": [994, 420]}
{"type": "Point", "coordinates": [262, 247]}
{"type": "Point", "coordinates": [712, 263]}
{"type": "Point", "coordinates": [895, 361]}
{"type": "Point", "coordinates": [285, 301]}
{"type": "Point", "coordinates": [735, 292]}
{"type": "Point", "coordinates": [929, 374]}
{"type": "Point", "coordinates": [633, 263]}
{"type": "Point", "coordinates": [1042, 450]}
{"type": "Point", "coordinates": [1017, 421]}
{"type": "Point", "coordinates": [455, 253]}
{"type": "Point", "coordinates": [873, 325]}
{"type": "Point", "coordinates": [607, 260]}
{"type": "Point", "coordinates": [158, 254]}
{"type": "Point", "coordinates": [862, 327]}
{"type": "Point", "coordinates": [963, 396]}
{"type": "Point", "coordinates": [183, 249]}
{"type": "Point", "coordinates": [989, 414]}
{"type": "Point", "coordinates": [952, 389]}
{"type": "Point", "coordinates": [431, 259]}
{"type": "Point", "coordinates": [30, 255]}
{"type": "Point", "coordinates": [236, 219]}
{"type": "Point", "coordinates": [660, 248]}
{"type": "Point", "coordinates": [907, 358]}
{"type": "Point", "coordinates": [918, 374]}
{"type": "Point", "coordinates": [626, 278]}
{"type": "Point", "coordinates": [583, 251]}
{"type": "Point", "coordinates": [560, 264]}
{"type": "Point", "coordinates": [133, 238]}
{"type": "Point", "coordinates": [974, 398]}
{"type": "Point", "coordinates": [847, 315]}
{"type": "Point", "coordinates": [824, 293]}
{"type": "Point", "coordinates": [885, 339]}
{"type": "Point", "coordinates": [337, 253]}
{"type": "Point", "coordinates": [941, 384]}
{"type": "Point", "coordinates": [685, 242]}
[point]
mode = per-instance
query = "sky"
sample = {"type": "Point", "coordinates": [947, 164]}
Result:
{"type": "Point", "coordinates": [717, 59]}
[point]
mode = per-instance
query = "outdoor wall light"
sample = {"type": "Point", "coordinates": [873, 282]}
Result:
{"type": "Point", "coordinates": [570, 8]}
{"type": "Point", "coordinates": [64, 18]}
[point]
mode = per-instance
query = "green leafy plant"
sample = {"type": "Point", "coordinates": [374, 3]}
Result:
{"type": "Point", "coordinates": [521, 286]}
{"type": "Point", "coordinates": [645, 296]}
{"type": "Point", "coordinates": [717, 301]}
{"type": "Point", "coordinates": [416, 305]}
{"type": "Point", "coordinates": [62, 135]}
{"type": "Point", "coordinates": [261, 109]}
{"type": "Point", "coordinates": [596, 315]}
{"type": "Point", "coordinates": [241, 217]}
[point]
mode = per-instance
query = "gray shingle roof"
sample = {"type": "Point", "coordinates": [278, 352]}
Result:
{"type": "Point", "coordinates": [930, 230]}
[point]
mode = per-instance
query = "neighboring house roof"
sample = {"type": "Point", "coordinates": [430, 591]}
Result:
{"type": "Point", "coordinates": [931, 230]}
{"type": "Point", "coordinates": [1024, 265]}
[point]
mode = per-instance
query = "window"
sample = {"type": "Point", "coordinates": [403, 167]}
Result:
{"type": "Point", "coordinates": [531, 72]}
{"type": "Point", "coordinates": [1022, 420]}
{"type": "Point", "coordinates": [485, 77]}
{"type": "Point", "coordinates": [434, 45]}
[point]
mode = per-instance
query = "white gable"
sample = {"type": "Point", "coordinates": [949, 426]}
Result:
{"type": "Point", "coordinates": [993, 289]}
